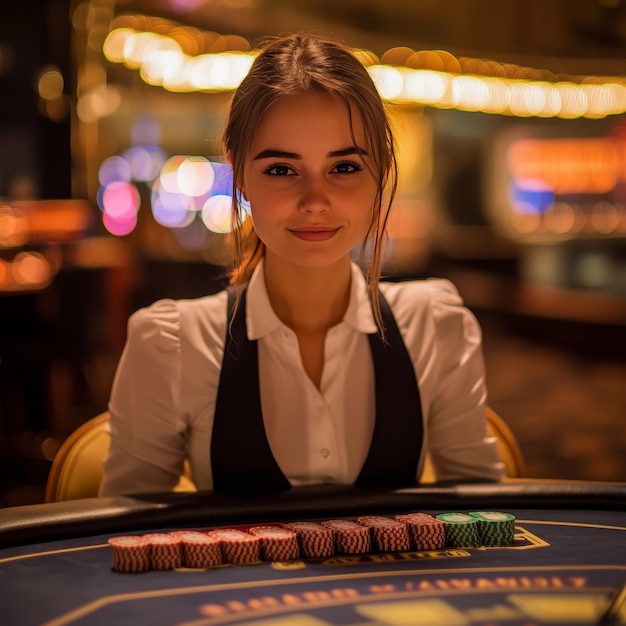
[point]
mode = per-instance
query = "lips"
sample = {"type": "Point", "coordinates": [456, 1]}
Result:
{"type": "Point", "coordinates": [314, 234]}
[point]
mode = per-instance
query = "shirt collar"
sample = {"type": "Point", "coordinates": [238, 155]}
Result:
{"type": "Point", "coordinates": [261, 319]}
{"type": "Point", "coordinates": [359, 314]}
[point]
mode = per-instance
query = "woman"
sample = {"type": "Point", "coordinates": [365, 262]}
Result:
{"type": "Point", "coordinates": [306, 370]}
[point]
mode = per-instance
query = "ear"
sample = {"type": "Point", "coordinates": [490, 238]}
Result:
{"type": "Point", "coordinates": [240, 188]}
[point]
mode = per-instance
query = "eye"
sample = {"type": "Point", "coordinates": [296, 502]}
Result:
{"type": "Point", "coordinates": [347, 167]}
{"type": "Point", "coordinates": [278, 170]}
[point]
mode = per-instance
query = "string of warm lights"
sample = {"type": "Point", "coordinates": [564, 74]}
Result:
{"type": "Point", "coordinates": [183, 59]}
{"type": "Point", "coordinates": [190, 195]}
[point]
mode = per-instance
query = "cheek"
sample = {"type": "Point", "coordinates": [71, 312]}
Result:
{"type": "Point", "coordinates": [364, 199]}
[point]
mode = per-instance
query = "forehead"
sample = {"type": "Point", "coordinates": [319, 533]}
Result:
{"type": "Point", "coordinates": [310, 117]}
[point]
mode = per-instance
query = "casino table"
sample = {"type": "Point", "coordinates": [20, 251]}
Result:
{"type": "Point", "coordinates": [565, 565]}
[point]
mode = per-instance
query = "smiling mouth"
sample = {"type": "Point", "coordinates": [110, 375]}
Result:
{"type": "Point", "coordinates": [311, 234]}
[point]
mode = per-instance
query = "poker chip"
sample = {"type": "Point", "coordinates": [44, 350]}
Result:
{"type": "Point", "coordinates": [495, 528]}
{"type": "Point", "coordinates": [315, 540]}
{"type": "Point", "coordinates": [238, 547]}
{"type": "Point", "coordinates": [304, 539]}
{"type": "Point", "coordinates": [350, 537]}
{"type": "Point", "coordinates": [461, 529]}
{"type": "Point", "coordinates": [130, 553]}
{"type": "Point", "coordinates": [425, 531]}
{"type": "Point", "coordinates": [277, 544]}
{"type": "Point", "coordinates": [165, 551]}
{"type": "Point", "coordinates": [390, 535]}
{"type": "Point", "coordinates": [200, 550]}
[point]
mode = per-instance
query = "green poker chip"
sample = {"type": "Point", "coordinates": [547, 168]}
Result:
{"type": "Point", "coordinates": [456, 518]}
{"type": "Point", "coordinates": [461, 529]}
{"type": "Point", "coordinates": [480, 528]}
{"type": "Point", "coordinates": [495, 527]}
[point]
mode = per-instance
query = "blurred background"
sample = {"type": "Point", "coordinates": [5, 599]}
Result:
{"type": "Point", "coordinates": [511, 122]}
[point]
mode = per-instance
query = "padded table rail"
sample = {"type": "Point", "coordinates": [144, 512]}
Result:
{"type": "Point", "coordinates": [76, 518]}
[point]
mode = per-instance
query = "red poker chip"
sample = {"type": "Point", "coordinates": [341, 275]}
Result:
{"type": "Point", "coordinates": [350, 537]}
{"type": "Point", "coordinates": [390, 535]}
{"type": "Point", "coordinates": [238, 547]}
{"type": "Point", "coordinates": [277, 544]}
{"type": "Point", "coordinates": [426, 532]}
{"type": "Point", "coordinates": [416, 515]}
{"type": "Point", "coordinates": [130, 553]}
{"type": "Point", "coordinates": [203, 557]}
{"type": "Point", "coordinates": [165, 551]}
{"type": "Point", "coordinates": [316, 541]}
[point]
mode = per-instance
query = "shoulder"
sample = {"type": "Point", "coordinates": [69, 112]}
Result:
{"type": "Point", "coordinates": [434, 302]}
{"type": "Point", "coordinates": [432, 294]}
{"type": "Point", "coordinates": [164, 322]}
{"type": "Point", "coordinates": [158, 322]}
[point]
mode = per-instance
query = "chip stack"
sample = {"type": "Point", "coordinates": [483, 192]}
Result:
{"type": "Point", "coordinates": [238, 547]}
{"type": "Point", "coordinates": [461, 529]}
{"type": "Point", "coordinates": [277, 544]}
{"type": "Point", "coordinates": [495, 528]}
{"type": "Point", "coordinates": [350, 537]}
{"type": "Point", "coordinates": [200, 550]}
{"type": "Point", "coordinates": [315, 540]}
{"type": "Point", "coordinates": [130, 553]}
{"type": "Point", "coordinates": [165, 551]}
{"type": "Point", "coordinates": [390, 535]}
{"type": "Point", "coordinates": [426, 532]}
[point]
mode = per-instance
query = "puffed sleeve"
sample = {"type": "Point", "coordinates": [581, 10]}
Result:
{"type": "Point", "coordinates": [147, 432]}
{"type": "Point", "coordinates": [458, 441]}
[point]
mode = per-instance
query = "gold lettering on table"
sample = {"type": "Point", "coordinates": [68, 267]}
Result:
{"type": "Point", "coordinates": [265, 602]}
{"type": "Point", "coordinates": [484, 583]}
{"type": "Point", "coordinates": [272, 602]}
{"type": "Point", "coordinates": [464, 583]}
{"type": "Point", "coordinates": [213, 610]}
{"type": "Point", "coordinates": [325, 596]}
{"type": "Point", "coordinates": [388, 588]}
{"type": "Point", "coordinates": [343, 560]}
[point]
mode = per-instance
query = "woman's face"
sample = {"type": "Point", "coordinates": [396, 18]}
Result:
{"type": "Point", "coordinates": [310, 189]}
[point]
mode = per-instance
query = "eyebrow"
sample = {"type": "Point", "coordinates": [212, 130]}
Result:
{"type": "Point", "coordinates": [272, 153]}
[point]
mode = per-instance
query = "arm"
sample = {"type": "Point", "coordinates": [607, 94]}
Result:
{"type": "Point", "coordinates": [459, 445]}
{"type": "Point", "coordinates": [147, 431]}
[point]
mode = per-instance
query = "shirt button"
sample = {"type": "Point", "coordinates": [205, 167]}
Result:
{"type": "Point", "coordinates": [325, 452]}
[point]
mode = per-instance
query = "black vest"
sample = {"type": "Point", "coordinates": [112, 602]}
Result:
{"type": "Point", "coordinates": [241, 458]}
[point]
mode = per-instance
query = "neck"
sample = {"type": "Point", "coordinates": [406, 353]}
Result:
{"type": "Point", "coordinates": [308, 299]}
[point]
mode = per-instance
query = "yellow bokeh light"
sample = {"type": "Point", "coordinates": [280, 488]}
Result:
{"type": "Point", "coordinates": [185, 59]}
{"type": "Point", "coordinates": [50, 83]}
{"type": "Point", "coordinates": [388, 81]}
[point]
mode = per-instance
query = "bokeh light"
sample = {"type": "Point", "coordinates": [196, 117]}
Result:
{"type": "Point", "coordinates": [216, 213]}
{"type": "Point", "coordinates": [195, 176]}
{"type": "Point", "coordinates": [169, 173]}
{"type": "Point", "coordinates": [14, 228]}
{"type": "Point", "coordinates": [120, 226]}
{"type": "Point", "coordinates": [113, 170]}
{"type": "Point", "coordinates": [50, 83]}
{"type": "Point", "coordinates": [145, 162]}
{"type": "Point", "coordinates": [120, 199]}
{"type": "Point", "coordinates": [173, 210]}
{"type": "Point", "coordinates": [31, 268]}
{"type": "Point", "coordinates": [185, 59]}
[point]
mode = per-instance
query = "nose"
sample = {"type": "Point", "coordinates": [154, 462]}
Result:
{"type": "Point", "coordinates": [314, 197]}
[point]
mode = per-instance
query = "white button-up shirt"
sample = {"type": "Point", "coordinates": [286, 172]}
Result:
{"type": "Point", "coordinates": [164, 392]}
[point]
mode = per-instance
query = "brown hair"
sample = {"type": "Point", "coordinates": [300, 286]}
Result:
{"type": "Point", "coordinates": [292, 65]}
